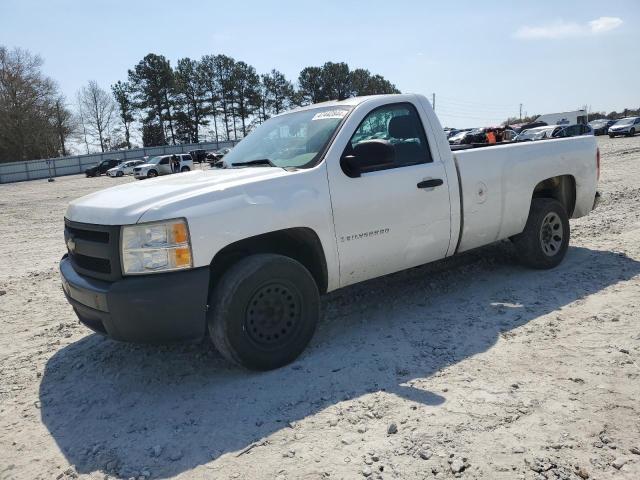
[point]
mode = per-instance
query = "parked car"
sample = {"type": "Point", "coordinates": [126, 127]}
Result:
{"type": "Point", "coordinates": [199, 155]}
{"type": "Point", "coordinates": [125, 168]}
{"type": "Point", "coordinates": [601, 126]}
{"type": "Point", "coordinates": [242, 254]}
{"type": "Point", "coordinates": [537, 133]}
{"type": "Point", "coordinates": [161, 165]}
{"type": "Point", "coordinates": [477, 135]}
{"type": "Point", "coordinates": [450, 132]}
{"type": "Point", "coordinates": [509, 135]}
{"type": "Point", "coordinates": [214, 157]}
{"type": "Point", "coordinates": [627, 126]}
{"type": "Point", "coordinates": [573, 131]}
{"type": "Point", "coordinates": [101, 168]}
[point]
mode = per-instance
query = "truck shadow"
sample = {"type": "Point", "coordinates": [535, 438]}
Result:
{"type": "Point", "coordinates": [122, 408]}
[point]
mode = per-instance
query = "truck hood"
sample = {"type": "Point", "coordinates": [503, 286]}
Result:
{"type": "Point", "coordinates": [125, 204]}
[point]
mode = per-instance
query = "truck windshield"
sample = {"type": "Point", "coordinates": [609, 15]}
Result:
{"type": "Point", "coordinates": [294, 139]}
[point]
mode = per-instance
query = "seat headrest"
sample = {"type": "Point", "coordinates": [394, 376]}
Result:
{"type": "Point", "coordinates": [403, 126]}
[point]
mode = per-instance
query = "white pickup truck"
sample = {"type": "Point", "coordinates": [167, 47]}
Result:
{"type": "Point", "coordinates": [313, 200]}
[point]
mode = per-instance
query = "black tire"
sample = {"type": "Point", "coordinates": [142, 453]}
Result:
{"type": "Point", "coordinates": [632, 132]}
{"type": "Point", "coordinates": [119, 174]}
{"type": "Point", "coordinates": [545, 239]}
{"type": "Point", "coordinates": [185, 169]}
{"type": "Point", "coordinates": [611, 136]}
{"type": "Point", "coordinates": [264, 311]}
{"type": "Point", "coordinates": [152, 174]}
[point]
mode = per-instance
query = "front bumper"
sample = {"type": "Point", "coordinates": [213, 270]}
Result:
{"type": "Point", "coordinates": [619, 132]}
{"type": "Point", "coordinates": [155, 308]}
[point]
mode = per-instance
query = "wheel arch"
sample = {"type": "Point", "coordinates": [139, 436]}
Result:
{"type": "Point", "coordinates": [301, 244]}
{"type": "Point", "coordinates": [561, 188]}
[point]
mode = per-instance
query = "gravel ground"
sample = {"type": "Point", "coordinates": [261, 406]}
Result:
{"type": "Point", "coordinates": [472, 367]}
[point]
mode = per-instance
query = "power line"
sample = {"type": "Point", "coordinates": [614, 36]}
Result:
{"type": "Point", "coordinates": [474, 109]}
{"type": "Point", "coordinates": [471, 117]}
{"type": "Point", "coordinates": [471, 102]}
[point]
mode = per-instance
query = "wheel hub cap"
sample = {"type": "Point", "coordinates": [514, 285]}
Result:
{"type": "Point", "coordinates": [272, 315]}
{"type": "Point", "coordinates": [551, 234]}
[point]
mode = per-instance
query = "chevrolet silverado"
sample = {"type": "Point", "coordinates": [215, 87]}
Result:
{"type": "Point", "coordinates": [311, 201]}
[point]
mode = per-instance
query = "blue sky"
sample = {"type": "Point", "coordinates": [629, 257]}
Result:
{"type": "Point", "coordinates": [481, 58]}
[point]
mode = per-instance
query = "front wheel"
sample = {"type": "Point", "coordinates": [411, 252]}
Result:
{"type": "Point", "coordinates": [545, 239]}
{"type": "Point", "coordinates": [264, 311]}
{"type": "Point", "coordinates": [152, 174]}
{"type": "Point", "coordinates": [632, 132]}
{"type": "Point", "coordinates": [119, 174]}
{"type": "Point", "coordinates": [185, 169]}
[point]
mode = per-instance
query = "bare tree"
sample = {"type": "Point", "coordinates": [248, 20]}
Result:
{"type": "Point", "coordinates": [97, 109]}
{"type": "Point", "coordinates": [82, 130]}
{"type": "Point", "coordinates": [64, 124]}
{"type": "Point", "coordinates": [28, 108]}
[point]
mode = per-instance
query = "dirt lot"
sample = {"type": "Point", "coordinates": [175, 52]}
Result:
{"type": "Point", "coordinates": [473, 367]}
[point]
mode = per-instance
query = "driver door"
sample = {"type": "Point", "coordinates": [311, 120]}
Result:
{"type": "Point", "coordinates": [165, 166]}
{"type": "Point", "coordinates": [395, 215]}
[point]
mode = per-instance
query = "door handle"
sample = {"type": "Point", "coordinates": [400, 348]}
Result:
{"type": "Point", "coordinates": [432, 182]}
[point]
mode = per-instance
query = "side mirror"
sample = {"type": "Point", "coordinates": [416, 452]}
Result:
{"type": "Point", "coordinates": [366, 156]}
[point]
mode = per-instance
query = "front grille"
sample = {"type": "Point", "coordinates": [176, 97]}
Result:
{"type": "Point", "coordinates": [101, 265]}
{"type": "Point", "coordinates": [94, 249]}
{"type": "Point", "coordinates": [93, 236]}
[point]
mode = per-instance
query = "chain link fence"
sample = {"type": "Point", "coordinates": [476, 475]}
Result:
{"type": "Point", "coordinates": [57, 167]}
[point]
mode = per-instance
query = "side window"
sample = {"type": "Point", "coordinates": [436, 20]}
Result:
{"type": "Point", "coordinates": [164, 161]}
{"type": "Point", "coordinates": [400, 125]}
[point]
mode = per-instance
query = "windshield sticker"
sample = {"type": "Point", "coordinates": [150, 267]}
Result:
{"type": "Point", "coordinates": [338, 113]}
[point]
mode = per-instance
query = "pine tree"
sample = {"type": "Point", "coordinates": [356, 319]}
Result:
{"type": "Point", "coordinates": [122, 92]}
{"type": "Point", "coordinates": [191, 95]}
{"type": "Point", "coordinates": [153, 83]}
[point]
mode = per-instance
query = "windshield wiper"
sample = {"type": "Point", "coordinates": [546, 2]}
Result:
{"type": "Point", "coordinates": [250, 163]}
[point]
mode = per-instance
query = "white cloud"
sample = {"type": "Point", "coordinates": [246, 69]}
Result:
{"type": "Point", "coordinates": [604, 24]}
{"type": "Point", "coordinates": [562, 29]}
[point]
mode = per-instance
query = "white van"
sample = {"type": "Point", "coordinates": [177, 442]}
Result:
{"type": "Point", "coordinates": [563, 118]}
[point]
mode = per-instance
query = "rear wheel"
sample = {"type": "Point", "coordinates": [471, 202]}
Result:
{"type": "Point", "coordinates": [152, 173]}
{"type": "Point", "coordinates": [545, 238]}
{"type": "Point", "coordinates": [264, 311]}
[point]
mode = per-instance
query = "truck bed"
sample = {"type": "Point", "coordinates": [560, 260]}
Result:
{"type": "Point", "coordinates": [497, 184]}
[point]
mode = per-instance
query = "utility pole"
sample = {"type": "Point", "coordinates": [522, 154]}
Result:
{"type": "Point", "coordinates": [433, 101]}
{"type": "Point", "coordinates": [521, 112]}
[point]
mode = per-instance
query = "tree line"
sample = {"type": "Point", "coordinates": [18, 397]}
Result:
{"type": "Point", "coordinates": [175, 104]}
{"type": "Point", "coordinates": [158, 103]}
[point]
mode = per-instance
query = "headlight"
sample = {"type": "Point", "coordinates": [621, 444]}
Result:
{"type": "Point", "coordinates": [155, 247]}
